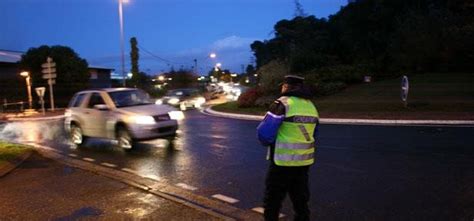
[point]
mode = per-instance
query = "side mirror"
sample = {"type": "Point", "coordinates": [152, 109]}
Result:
{"type": "Point", "coordinates": [101, 107]}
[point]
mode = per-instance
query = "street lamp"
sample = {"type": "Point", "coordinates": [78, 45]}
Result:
{"type": "Point", "coordinates": [121, 39]}
{"type": "Point", "coordinates": [213, 55]}
{"type": "Point", "coordinates": [28, 86]}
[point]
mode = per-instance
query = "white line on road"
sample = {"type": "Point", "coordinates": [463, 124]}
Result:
{"type": "Point", "coordinates": [225, 198]}
{"type": "Point", "coordinates": [186, 186]}
{"type": "Point", "coordinates": [260, 210]}
{"type": "Point", "coordinates": [88, 159]}
{"type": "Point", "coordinates": [152, 176]}
{"type": "Point", "coordinates": [72, 155]}
{"type": "Point", "coordinates": [108, 164]}
{"type": "Point", "coordinates": [129, 170]}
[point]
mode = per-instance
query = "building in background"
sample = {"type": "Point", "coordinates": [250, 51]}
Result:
{"type": "Point", "coordinates": [12, 85]}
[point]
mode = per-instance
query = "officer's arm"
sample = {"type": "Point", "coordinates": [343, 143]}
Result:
{"type": "Point", "coordinates": [316, 134]}
{"type": "Point", "coordinates": [267, 129]}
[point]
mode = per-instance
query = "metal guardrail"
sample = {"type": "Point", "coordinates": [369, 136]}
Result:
{"type": "Point", "coordinates": [18, 107]}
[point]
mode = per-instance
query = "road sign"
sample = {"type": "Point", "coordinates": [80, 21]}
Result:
{"type": "Point", "coordinates": [40, 91]}
{"type": "Point", "coordinates": [404, 89]}
{"type": "Point", "coordinates": [48, 65]}
{"type": "Point", "coordinates": [46, 71]}
{"type": "Point", "coordinates": [48, 76]}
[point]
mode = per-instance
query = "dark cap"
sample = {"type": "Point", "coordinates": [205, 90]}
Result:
{"type": "Point", "coordinates": [293, 80]}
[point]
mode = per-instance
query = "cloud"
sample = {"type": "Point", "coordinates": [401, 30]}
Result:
{"type": "Point", "coordinates": [232, 42]}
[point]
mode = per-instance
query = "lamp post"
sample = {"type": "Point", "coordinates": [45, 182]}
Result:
{"type": "Point", "coordinates": [28, 86]}
{"type": "Point", "coordinates": [121, 40]}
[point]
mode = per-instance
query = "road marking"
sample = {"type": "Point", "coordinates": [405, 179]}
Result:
{"type": "Point", "coordinates": [186, 186]}
{"type": "Point", "coordinates": [88, 159]}
{"type": "Point", "coordinates": [129, 170]}
{"type": "Point", "coordinates": [72, 155]}
{"type": "Point", "coordinates": [153, 177]}
{"type": "Point", "coordinates": [225, 198]}
{"type": "Point", "coordinates": [260, 210]}
{"type": "Point", "coordinates": [108, 164]}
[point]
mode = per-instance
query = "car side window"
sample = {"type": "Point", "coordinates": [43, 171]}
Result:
{"type": "Point", "coordinates": [77, 100]}
{"type": "Point", "coordinates": [94, 100]}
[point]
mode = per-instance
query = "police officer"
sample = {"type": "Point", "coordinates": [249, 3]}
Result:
{"type": "Point", "coordinates": [289, 130]}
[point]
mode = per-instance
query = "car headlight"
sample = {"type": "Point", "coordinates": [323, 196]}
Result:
{"type": "Point", "coordinates": [159, 101]}
{"type": "Point", "coordinates": [173, 101]}
{"type": "Point", "coordinates": [176, 115]}
{"type": "Point", "coordinates": [200, 100]}
{"type": "Point", "coordinates": [142, 119]}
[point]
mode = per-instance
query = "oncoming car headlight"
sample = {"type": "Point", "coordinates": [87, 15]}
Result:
{"type": "Point", "coordinates": [200, 100]}
{"type": "Point", "coordinates": [142, 119]}
{"type": "Point", "coordinates": [176, 115]}
{"type": "Point", "coordinates": [173, 101]}
{"type": "Point", "coordinates": [159, 101]}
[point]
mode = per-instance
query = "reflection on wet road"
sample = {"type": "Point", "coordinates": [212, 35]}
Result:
{"type": "Point", "coordinates": [361, 172]}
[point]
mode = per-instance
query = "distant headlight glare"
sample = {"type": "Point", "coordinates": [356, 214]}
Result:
{"type": "Point", "coordinates": [173, 101]}
{"type": "Point", "coordinates": [159, 101]}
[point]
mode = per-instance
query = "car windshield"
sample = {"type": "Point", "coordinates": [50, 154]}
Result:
{"type": "Point", "coordinates": [182, 92]}
{"type": "Point", "coordinates": [130, 98]}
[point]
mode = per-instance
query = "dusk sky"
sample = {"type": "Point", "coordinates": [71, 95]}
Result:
{"type": "Point", "coordinates": [175, 30]}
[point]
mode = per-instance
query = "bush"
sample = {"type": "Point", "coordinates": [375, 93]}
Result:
{"type": "Point", "coordinates": [327, 88]}
{"type": "Point", "coordinates": [265, 101]}
{"type": "Point", "coordinates": [248, 98]}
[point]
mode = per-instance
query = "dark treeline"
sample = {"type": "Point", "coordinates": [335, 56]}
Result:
{"type": "Point", "coordinates": [380, 38]}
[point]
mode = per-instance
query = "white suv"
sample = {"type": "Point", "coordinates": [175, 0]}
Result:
{"type": "Point", "coordinates": [123, 114]}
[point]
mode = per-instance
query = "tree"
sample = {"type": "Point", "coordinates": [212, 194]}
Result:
{"type": "Point", "coordinates": [181, 79]}
{"type": "Point", "coordinates": [299, 11]}
{"type": "Point", "coordinates": [72, 71]}
{"type": "Point", "coordinates": [134, 56]}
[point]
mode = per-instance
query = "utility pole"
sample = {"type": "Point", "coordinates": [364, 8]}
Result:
{"type": "Point", "coordinates": [196, 66]}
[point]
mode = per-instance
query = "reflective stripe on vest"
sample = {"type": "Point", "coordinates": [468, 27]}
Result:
{"type": "Point", "coordinates": [295, 143]}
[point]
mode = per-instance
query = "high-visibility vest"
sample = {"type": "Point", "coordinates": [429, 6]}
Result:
{"type": "Point", "coordinates": [295, 142]}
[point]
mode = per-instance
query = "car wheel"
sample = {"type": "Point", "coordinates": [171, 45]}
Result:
{"type": "Point", "coordinates": [125, 140]}
{"type": "Point", "coordinates": [77, 136]}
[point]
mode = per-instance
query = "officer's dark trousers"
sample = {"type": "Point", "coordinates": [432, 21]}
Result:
{"type": "Point", "coordinates": [282, 180]}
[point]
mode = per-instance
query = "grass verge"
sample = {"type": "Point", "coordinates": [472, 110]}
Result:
{"type": "Point", "coordinates": [434, 96]}
{"type": "Point", "coordinates": [9, 151]}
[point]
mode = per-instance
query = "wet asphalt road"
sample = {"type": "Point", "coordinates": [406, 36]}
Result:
{"type": "Point", "coordinates": [361, 172]}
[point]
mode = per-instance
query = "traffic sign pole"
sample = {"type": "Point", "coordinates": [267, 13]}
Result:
{"type": "Point", "coordinates": [51, 96]}
{"type": "Point", "coordinates": [404, 90]}
{"type": "Point", "coordinates": [49, 73]}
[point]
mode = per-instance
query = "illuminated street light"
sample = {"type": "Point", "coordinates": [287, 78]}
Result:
{"type": "Point", "coordinates": [130, 75]}
{"type": "Point", "coordinates": [161, 78]}
{"type": "Point", "coordinates": [121, 39]}
{"type": "Point", "coordinates": [212, 55]}
{"type": "Point", "coordinates": [218, 65]}
{"type": "Point", "coordinates": [28, 87]}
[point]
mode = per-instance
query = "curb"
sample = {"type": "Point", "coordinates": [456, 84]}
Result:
{"type": "Point", "coordinates": [384, 122]}
{"type": "Point", "coordinates": [200, 203]}
{"type": "Point", "coordinates": [35, 118]}
{"type": "Point", "coordinates": [13, 164]}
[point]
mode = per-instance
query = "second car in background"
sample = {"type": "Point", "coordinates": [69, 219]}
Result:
{"type": "Point", "coordinates": [184, 98]}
